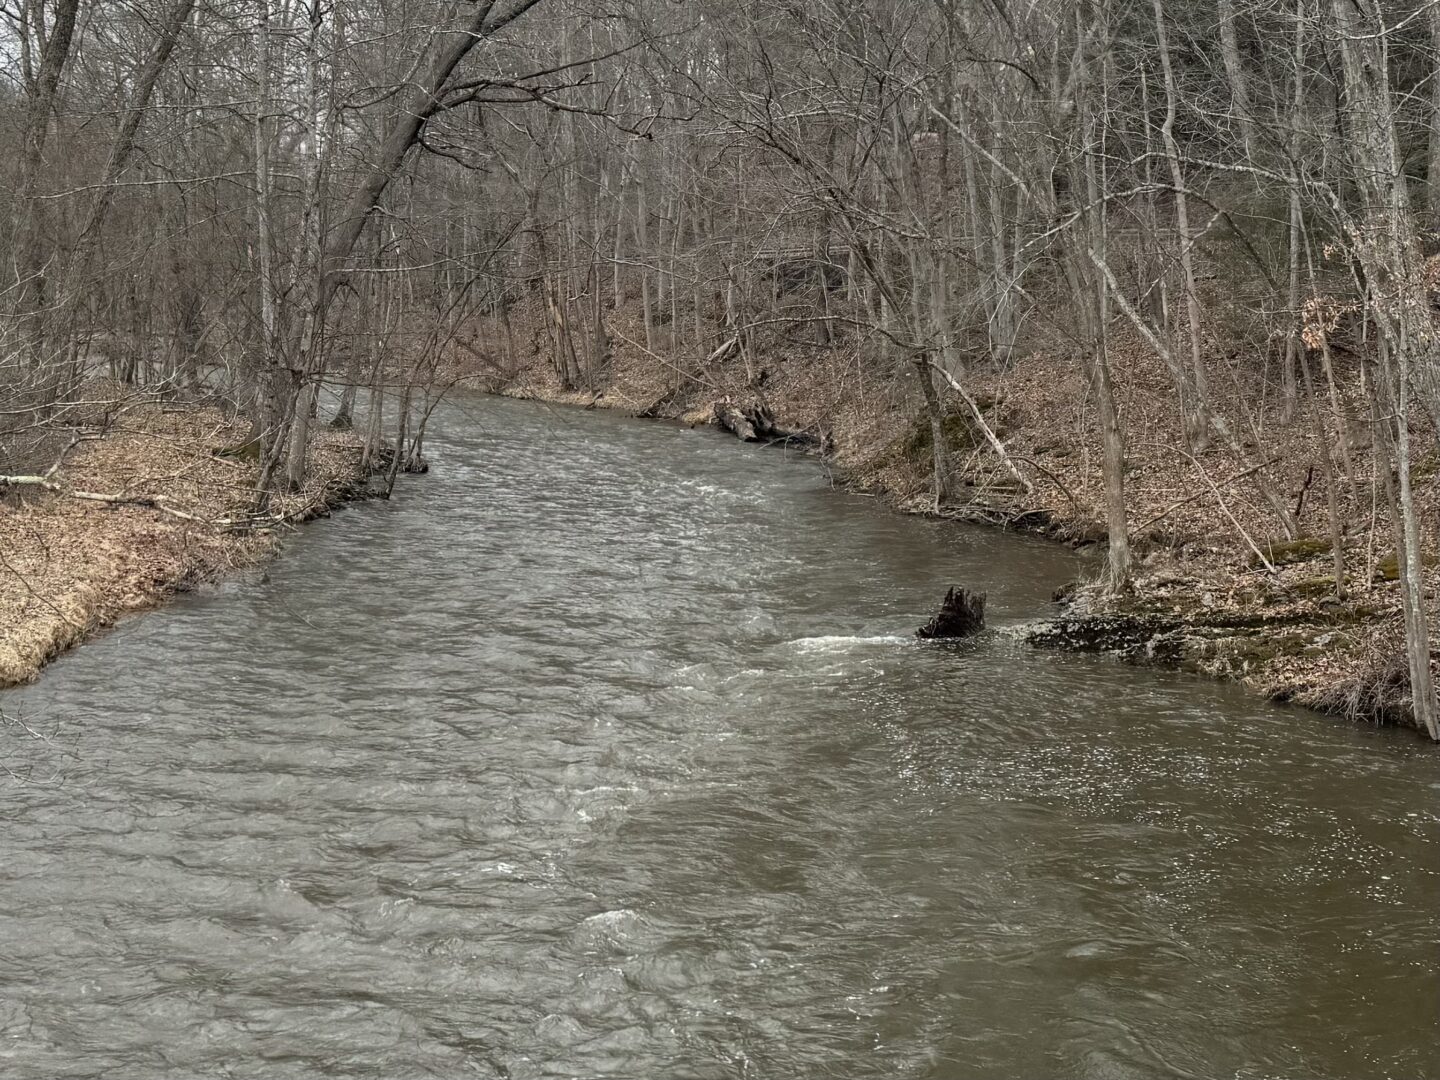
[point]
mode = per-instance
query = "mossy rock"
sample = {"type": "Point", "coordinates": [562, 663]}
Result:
{"type": "Point", "coordinates": [1289, 552]}
{"type": "Point", "coordinates": [1388, 568]}
{"type": "Point", "coordinates": [961, 433]}
{"type": "Point", "coordinates": [1355, 612]}
{"type": "Point", "coordinates": [1165, 538]}
{"type": "Point", "coordinates": [246, 451]}
{"type": "Point", "coordinates": [1315, 588]}
{"type": "Point", "coordinates": [1245, 653]}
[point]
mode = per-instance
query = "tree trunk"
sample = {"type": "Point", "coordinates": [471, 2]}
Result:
{"type": "Point", "coordinates": [1182, 225]}
{"type": "Point", "coordinates": [1235, 76]}
{"type": "Point", "coordinates": [939, 450]}
{"type": "Point", "coordinates": [265, 411]}
{"type": "Point", "coordinates": [1395, 438]}
{"type": "Point", "coordinates": [1432, 171]}
{"type": "Point", "coordinates": [30, 212]}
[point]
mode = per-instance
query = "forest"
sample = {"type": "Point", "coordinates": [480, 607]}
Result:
{"type": "Point", "coordinates": [1153, 277]}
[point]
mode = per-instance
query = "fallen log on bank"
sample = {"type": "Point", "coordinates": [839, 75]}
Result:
{"type": "Point", "coordinates": [756, 423]}
{"type": "Point", "coordinates": [143, 502]}
{"type": "Point", "coordinates": [961, 614]}
{"type": "Point", "coordinates": [734, 420]}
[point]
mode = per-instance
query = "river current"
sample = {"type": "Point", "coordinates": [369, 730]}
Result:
{"type": "Point", "coordinates": [605, 750]}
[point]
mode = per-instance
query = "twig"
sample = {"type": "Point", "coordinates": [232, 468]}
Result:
{"type": "Point", "coordinates": [1191, 498]}
{"type": "Point", "coordinates": [148, 502]}
{"type": "Point", "coordinates": [1054, 480]}
{"type": "Point", "coordinates": [37, 594]}
{"type": "Point", "coordinates": [990, 436]}
{"type": "Point", "coordinates": [1225, 508]}
{"type": "Point", "coordinates": [668, 363]}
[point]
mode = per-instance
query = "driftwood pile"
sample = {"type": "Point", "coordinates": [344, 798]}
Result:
{"type": "Point", "coordinates": [961, 614]}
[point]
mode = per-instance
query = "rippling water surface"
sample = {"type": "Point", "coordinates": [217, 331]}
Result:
{"type": "Point", "coordinates": [604, 751]}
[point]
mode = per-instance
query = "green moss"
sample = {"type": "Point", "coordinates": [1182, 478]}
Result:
{"type": "Point", "coordinates": [961, 433]}
{"type": "Point", "coordinates": [1289, 552]}
{"type": "Point", "coordinates": [1315, 588]}
{"type": "Point", "coordinates": [1388, 568]}
{"type": "Point", "coordinates": [1248, 652]}
{"type": "Point", "coordinates": [246, 451]}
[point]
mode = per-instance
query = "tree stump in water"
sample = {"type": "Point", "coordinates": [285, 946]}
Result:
{"type": "Point", "coordinates": [961, 614]}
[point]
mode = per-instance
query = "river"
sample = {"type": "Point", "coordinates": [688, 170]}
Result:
{"type": "Point", "coordinates": [605, 751]}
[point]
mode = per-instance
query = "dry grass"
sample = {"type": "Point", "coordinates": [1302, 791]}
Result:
{"type": "Point", "coordinates": [71, 566]}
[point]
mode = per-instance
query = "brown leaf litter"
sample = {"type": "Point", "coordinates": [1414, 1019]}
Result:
{"type": "Point", "coordinates": [71, 566]}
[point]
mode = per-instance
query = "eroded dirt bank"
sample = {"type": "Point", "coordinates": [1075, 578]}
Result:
{"type": "Point", "coordinates": [172, 513]}
{"type": "Point", "coordinates": [1217, 590]}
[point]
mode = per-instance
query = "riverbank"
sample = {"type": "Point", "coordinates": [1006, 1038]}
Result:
{"type": "Point", "coordinates": [137, 514]}
{"type": "Point", "coordinates": [1218, 590]}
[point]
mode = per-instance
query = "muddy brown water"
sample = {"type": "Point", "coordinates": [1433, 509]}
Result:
{"type": "Point", "coordinates": [604, 751]}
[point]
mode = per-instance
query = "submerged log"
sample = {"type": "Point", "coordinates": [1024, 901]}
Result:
{"type": "Point", "coordinates": [961, 614]}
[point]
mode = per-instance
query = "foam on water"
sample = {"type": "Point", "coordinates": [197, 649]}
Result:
{"type": "Point", "coordinates": [840, 643]}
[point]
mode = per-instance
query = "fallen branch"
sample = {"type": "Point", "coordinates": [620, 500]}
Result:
{"type": "Point", "coordinates": [75, 440]}
{"type": "Point", "coordinates": [1225, 508]}
{"type": "Point", "coordinates": [146, 502]}
{"type": "Point", "coordinates": [668, 363]}
{"type": "Point", "coordinates": [990, 436]}
{"type": "Point", "coordinates": [734, 420]}
{"type": "Point", "coordinates": [723, 351]}
{"type": "Point", "coordinates": [756, 423]}
{"type": "Point", "coordinates": [36, 594]}
{"type": "Point", "coordinates": [1074, 502]}
{"type": "Point", "coordinates": [1200, 494]}
{"type": "Point", "coordinates": [991, 515]}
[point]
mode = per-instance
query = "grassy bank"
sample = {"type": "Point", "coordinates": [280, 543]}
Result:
{"type": "Point", "coordinates": [1217, 590]}
{"type": "Point", "coordinates": [142, 507]}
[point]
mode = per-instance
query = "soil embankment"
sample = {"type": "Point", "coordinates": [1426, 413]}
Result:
{"type": "Point", "coordinates": [145, 510]}
{"type": "Point", "coordinates": [1218, 588]}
